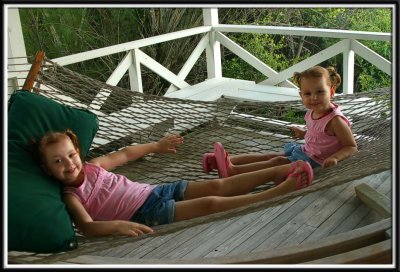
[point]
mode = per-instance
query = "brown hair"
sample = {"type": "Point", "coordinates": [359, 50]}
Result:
{"type": "Point", "coordinates": [52, 137]}
{"type": "Point", "coordinates": [333, 78]}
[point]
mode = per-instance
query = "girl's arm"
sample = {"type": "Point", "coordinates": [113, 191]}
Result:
{"type": "Point", "coordinates": [88, 227]}
{"type": "Point", "coordinates": [298, 132]}
{"type": "Point", "coordinates": [166, 144]}
{"type": "Point", "coordinates": [343, 132]}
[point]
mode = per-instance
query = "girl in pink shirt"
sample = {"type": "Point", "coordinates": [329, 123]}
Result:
{"type": "Point", "coordinates": [103, 203]}
{"type": "Point", "coordinates": [328, 137]}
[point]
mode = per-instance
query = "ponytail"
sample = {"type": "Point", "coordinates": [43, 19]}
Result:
{"type": "Point", "coordinates": [333, 78]}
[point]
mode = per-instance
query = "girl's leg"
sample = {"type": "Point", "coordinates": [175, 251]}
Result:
{"type": "Point", "coordinates": [254, 157]}
{"type": "Point", "coordinates": [238, 164]}
{"type": "Point", "coordinates": [234, 169]}
{"type": "Point", "coordinates": [191, 208]}
{"type": "Point", "coordinates": [236, 185]}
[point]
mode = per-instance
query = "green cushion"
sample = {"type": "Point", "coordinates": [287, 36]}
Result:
{"type": "Point", "coordinates": [37, 217]}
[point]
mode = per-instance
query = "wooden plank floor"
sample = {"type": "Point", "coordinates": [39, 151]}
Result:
{"type": "Point", "coordinates": [307, 218]}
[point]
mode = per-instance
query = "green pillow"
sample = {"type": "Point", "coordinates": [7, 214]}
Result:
{"type": "Point", "coordinates": [38, 220]}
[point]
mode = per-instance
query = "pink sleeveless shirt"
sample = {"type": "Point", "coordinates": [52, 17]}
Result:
{"type": "Point", "coordinates": [318, 144]}
{"type": "Point", "coordinates": [109, 196]}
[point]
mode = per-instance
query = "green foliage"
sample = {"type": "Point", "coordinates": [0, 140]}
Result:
{"type": "Point", "coordinates": [65, 31]}
{"type": "Point", "coordinates": [280, 52]}
{"type": "Point", "coordinates": [293, 116]}
{"type": "Point", "coordinates": [375, 20]}
{"type": "Point", "coordinates": [62, 31]}
{"type": "Point", "coordinates": [371, 78]}
{"type": "Point", "coordinates": [266, 48]}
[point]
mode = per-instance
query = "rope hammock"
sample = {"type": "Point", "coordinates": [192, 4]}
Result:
{"type": "Point", "coordinates": [127, 117]}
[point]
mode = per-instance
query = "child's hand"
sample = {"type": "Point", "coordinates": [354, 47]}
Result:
{"type": "Point", "coordinates": [297, 132]}
{"type": "Point", "coordinates": [168, 143]}
{"type": "Point", "coordinates": [329, 162]}
{"type": "Point", "coordinates": [133, 229]}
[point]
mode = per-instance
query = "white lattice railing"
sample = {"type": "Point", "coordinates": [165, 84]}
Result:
{"type": "Point", "coordinates": [213, 37]}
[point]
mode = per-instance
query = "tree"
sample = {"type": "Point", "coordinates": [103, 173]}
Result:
{"type": "Point", "coordinates": [281, 52]}
{"type": "Point", "coordinates": [64, 31]}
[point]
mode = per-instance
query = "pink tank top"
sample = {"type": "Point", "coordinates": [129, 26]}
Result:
{"type": "Point", "coordinates": [109, 196]}
{"type": "Point", "coordinates": [318, 144]}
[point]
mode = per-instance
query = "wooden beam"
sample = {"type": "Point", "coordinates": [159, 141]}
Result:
{"type": "Point", "coordinates": [35, 68]}
{"type": "Point", "coordinates": [348, 70]}
{"type": "Point", "coordinates": [121, 69]}
{"type": "Point", "coordinates": [378, 253]}
{"type": "Point", "coordinates": [159, 69]}
{"type": "Point", "coordinates": [123, 47]}
{"type": "Point", "coordinates": [191, 61]}
{"type": "Point", "coordinates": [373, 199]}
{"type": "Point", "coordinates": [323, 248]}
{"type": "Point", "coordinates": [306, 31]}
{"type": "Point", "coordinates": [372, 57]}
{"type": "Point", "coordinates": [213, 50]}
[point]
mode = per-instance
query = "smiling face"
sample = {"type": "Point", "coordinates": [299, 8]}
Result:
{"type": "Point", "coordinates": [61, 160]}
{"type": "Point", "coordinates": [316, 94]}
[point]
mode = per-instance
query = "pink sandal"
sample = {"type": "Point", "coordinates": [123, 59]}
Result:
{"type": "Point", "coordinates": [306, 167]}
{"type": "Point", "coordinates": [222, 160]}
{"type": "Point", "coordinates": [209, 163]}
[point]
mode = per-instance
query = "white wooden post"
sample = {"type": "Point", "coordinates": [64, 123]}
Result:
{"type": "Point", "coordinates": [16, 52]}
{"type": "Point", "coordinates": [213, 50]}
{"type": "Point", "coordinates": [135, 74]}
{"type": "Point", "coordinates": [348, 69]}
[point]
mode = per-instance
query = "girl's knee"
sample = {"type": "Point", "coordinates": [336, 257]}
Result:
{"type": "Point", "coordinates": [280, 160]}
{"type": "Point", "coordinates": [215, 187]}
{"type": "Point", "coordinates": [211, 204]}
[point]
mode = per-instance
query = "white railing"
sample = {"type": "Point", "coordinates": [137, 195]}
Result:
{"type": "Point", "coordinates": [213, 37]}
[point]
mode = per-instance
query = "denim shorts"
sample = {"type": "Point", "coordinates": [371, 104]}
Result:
{"type": "Point", "coordinates": [293, 153]}
{"type": "Point", "coordinates": [159, 207]}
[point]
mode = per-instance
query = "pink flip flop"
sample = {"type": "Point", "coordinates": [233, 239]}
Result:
{"type": "Point", "coordinates": [222, 159]}
{"type": "Point", "coordinates": [209, 162]}
{"type": "Point", "coordinates": [306, 167]}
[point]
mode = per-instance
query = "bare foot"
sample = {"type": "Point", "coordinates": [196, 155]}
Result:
{"type": "Point", "coordinates": [230, 168]}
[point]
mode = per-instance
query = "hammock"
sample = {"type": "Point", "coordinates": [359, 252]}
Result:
{"type": "Point", "coordinates": [128, 117]}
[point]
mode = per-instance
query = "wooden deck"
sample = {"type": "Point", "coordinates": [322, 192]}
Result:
{"type": "Point", "coordinates": [212, 89]}
{"type": "Point", "coordinates": [305, 220]}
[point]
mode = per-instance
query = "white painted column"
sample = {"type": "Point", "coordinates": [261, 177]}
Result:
{"type": "Point", "coordinates": [135, 74]}
{"type": "Point", "coordinates": [348, 69]}
{"type": "Point", "coordinates": [16, 52]}
{"type": "Point", "coordinates": [213, 50]}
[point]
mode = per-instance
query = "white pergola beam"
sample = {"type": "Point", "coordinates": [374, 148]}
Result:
{"type": "Point", "coordinates": [16, 52]}
{"type": "Point", "coordinates": [305, 31]}
{"type": "Point", "coordinates": [372, 57]}
{"type": "Point", "coordinates": [190, 62]}
{"type": "Point", "coordinates": [109, 50]}
{"type": "Point", "coordinates": [135, 74]}
{"type": "Point", "coordinates": [348, 69]}
{"type": "Point", "coordinates": [159, 69]}
{"type": "Point", "coordinates": [194, 56]}
{"type": "Point", "coordinates": [213, 50]}
{"type": "Point", "coordinates": [121, 69]}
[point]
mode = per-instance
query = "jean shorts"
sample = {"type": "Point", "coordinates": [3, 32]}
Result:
{"type": "Point", "coordinates": [293, 153]}
{"type": "Point", "coordinates": [159, 207]}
